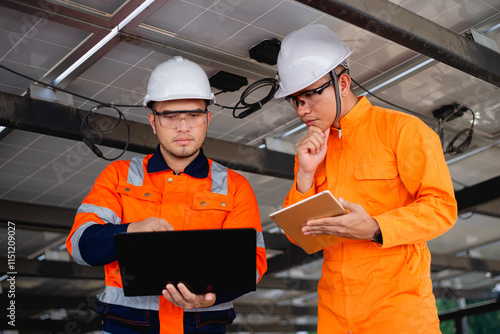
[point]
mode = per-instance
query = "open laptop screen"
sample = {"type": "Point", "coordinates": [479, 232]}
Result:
{"type": "Point", "coordinates": [205, 260]}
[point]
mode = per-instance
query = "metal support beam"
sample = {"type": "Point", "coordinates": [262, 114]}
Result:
{"type": "Point", "coordinates": [37, 216]}
{"type": "Point", "coordinates": [465, 263]}
{"type": "Point", "coordinates": [292, 257]}
{"type": "Point", "coordinates": [172, 44]}
{"type": "Point", "coordinates": [52, 269]}
{"type": "Point", "coordinates": [46, 302]}
{"type": "Point", "coordinates": [62, 121]}
{"type": "Point", "coordinates": [478, 308]}
{"type": "Point", "coordinates": [406, 28]}
{"type": "Point", "coordinates": [270, 282]}
{"type": "Point", "coordinates": [481, 193]}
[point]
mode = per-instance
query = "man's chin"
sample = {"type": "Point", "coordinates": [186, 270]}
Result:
{"type": "Point", "coordinates": [184, 153]}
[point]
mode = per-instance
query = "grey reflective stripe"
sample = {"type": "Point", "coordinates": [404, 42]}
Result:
{"type": "Point", "coordinates": [220, 307]}
{"type": "Point", "coordinates": [219, 179]}
{"type": "Point", "coordinates": [115, 296]}
{"type": "Point", "coordinates": [260, 243]}
{"type": "Point", "coordinates": [75, 243]}
{"type": "Point", "coordinates": [260, 240]}
{"type": "Point", "coordinates": [107, 215]}
{"type": "Point", "coordinates": [135, 171]}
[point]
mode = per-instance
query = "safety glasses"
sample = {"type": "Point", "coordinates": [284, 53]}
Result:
{"type": "Point", "coordinates": [310, 97]}
{"type": "Point", "coordinates": [172, 119]}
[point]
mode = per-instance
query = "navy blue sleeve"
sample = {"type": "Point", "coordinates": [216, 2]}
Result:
{"type": "Point", "coordinates": [97, 245]}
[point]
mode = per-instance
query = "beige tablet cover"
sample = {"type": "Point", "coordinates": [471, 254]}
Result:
{"type": "Point", "coordinates": [292, 218]}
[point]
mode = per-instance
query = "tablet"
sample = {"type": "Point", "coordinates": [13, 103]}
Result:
{"type": "Point", "coordinates": [292, 218]}
{"type": "Point", "coordinates": [205, 260]}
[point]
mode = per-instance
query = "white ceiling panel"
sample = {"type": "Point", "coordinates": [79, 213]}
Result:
{"type": "Point", "coordinates": [175, 15]}
{"type": "Point", "coordinates": [203, 28]}
{"type": "Point", "coordinates": [245, 11]}
{"type": "Point", "coordinates": [278, 19]}
{"type": "Point", "coordinates": [464, 15]}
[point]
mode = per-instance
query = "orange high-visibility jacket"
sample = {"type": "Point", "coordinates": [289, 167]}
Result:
{"type": "Point", "coordinates": [206, 195]}
{"type": "Point", "coordinates": [392, 164]}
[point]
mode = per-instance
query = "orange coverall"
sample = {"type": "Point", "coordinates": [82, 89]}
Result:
{"type": "Point", "coordinates": [392, 164]}
{"type": "Point", "coordinates": [206, 195]}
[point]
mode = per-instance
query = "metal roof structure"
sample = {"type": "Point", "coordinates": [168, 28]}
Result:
{"type": "Point", "coordinates": [412, 55]}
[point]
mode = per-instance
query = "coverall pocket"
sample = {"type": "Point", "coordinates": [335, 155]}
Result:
{"type": "Point", "coordinates": [139, 202]}
{"type": "Point", "coordinates": [210, 210]}
{"type": "Point", "coordinates": [376, 181]}
{"type": "Point", "coordinates": [116, 317]}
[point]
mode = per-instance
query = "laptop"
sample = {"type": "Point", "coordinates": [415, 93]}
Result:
{"type": "Point", "coordinates": [205, 260]}
{"type": "Point", "coordinates": [292, 218]}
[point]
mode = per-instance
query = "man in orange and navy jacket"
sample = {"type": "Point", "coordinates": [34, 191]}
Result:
{"type": "Point", "coordinates": [176, 188]}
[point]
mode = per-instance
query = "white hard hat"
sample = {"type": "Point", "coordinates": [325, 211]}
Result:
{"type": "Point", "coordinates": [176, 79]}
{"type": "Point", "coordinates": [306, 55]}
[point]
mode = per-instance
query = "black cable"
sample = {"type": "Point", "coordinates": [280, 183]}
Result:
{"type": "Point", "coordinates": [68, 92]}
{"type": "Point", "coordinates": [90, 144]}
{"type": "Point", "coordinates": [85, 139]}
{"type": "Point", "coordinates": [451, 149]}
{"type": "Point", "coordinates": [253, 107]}
{"type": "Point", "coordinates": [381, 99]}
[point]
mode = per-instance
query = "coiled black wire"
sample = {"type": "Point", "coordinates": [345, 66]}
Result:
{"type": "Point", "coordinates": [90, 144]}
{"type": "Point", "coordinates": [85, 139]}
{"type": "Point", "coordinates": [253, 107]}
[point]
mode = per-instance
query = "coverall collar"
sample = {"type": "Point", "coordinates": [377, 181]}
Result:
{"type": "Point", "coordinates": [353, 116]}
{"type": "Point", "coordinates": [198, 168]}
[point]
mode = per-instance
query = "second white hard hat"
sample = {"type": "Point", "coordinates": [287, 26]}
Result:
{"type": "Point", "coordinates": [176, 79]}
{"type": "Point", "coordinates": [306, 55]}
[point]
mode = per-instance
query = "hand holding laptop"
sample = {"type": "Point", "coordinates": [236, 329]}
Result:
{"type": "Point", "coordinates": [181, 296]}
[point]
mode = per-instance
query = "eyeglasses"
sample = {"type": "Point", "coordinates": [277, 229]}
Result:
{"type": "Point", "coordinates": [312, 96]}
{"type": "Point", "coordinates": [309, 97]}
{"type": "Point", "coordinates": [172, 119]}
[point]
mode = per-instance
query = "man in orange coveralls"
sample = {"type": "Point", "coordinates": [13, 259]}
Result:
{"type": "Point", "coordinates": [176, 188]}
{"type": "Point", "coordinates": [388, 170]}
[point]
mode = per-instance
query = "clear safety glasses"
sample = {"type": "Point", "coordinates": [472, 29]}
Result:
{"type": "Point", "coordinates": [310, 97]}
{"type": "Point", "coordinates": [172, 119]}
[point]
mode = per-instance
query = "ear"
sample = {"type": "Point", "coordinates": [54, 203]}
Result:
{"type": "Point", "coordinates": [151, 119]}
{"type": "Point", "coordinates": [344, 84]}
{"type": "Point", "coordinates": [209, 117]}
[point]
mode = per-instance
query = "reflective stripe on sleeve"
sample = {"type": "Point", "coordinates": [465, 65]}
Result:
{"type": "Point", "coordinates": [260, 240]}
{"type": "Point", "coordinates": [75, 242]}
{"type": "Point", "coordinates": [107, 215]}
{"type": "Point", "coordinates": [115, 296]}
{"type": "Point", "coordinates": [219, 179]}
{"type": "Point", "coordinates": [136, 171]}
